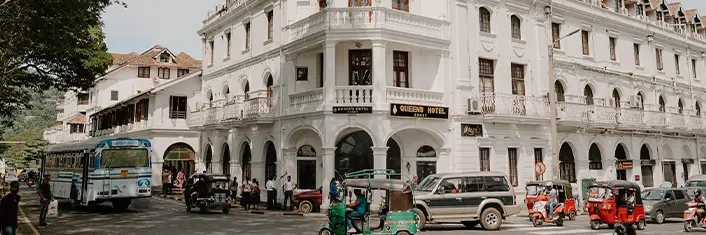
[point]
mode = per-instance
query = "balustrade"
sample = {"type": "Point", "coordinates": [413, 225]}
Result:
{"type": "Point", "coordinates": [354, 95]}
{"type": "Point", "coordinates": [414, 96]}
{"type": "Point", "coordinates": [301, 99]}
{"type": "Point", "coordinates": [258, 107]}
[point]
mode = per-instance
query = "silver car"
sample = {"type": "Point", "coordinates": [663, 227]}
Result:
{"type": "Point", "coordinates": [470, 198]}
{"type": "Point", "coordinates": [663, 203]}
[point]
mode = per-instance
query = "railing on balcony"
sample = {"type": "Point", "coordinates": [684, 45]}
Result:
{"type": "Point", "coordinates": [368, 17]}
{"type": "Point", "coordinates": [354, 95]}
{"type": "Point", "coordinates": [307, 98]}
{"type": "Point", "coordinates": [258, 108]}
{"type": "Point", "coordinates": [507, 105]}
{"type": "Point", "coordinates": [414, 96]}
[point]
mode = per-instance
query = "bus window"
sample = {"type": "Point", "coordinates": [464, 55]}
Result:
{"type": "Point", "coordinates": [92, 162]}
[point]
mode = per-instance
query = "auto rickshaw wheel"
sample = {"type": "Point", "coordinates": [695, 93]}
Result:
{"type": "Point", "coordinates": [421, 219]}
{"type": "Point", "coordinates": [689, 225]}
{"type": "Point", "coordinates": [403, 233]}
{"type": "Point", "coordinates": [188, 208]}
{"type": "Point", "coordinates": [641, 225]}
{"type": "Point", "coordinates": [595, 224]}
{"type": "Point", "coordinates": [326, 231]}
{"type": "Point", "coordinates": [536, 222]}
{"type": "Point", "coordinates": [572, 215]}
{"type": "Point", "coordinates": [226, 210]}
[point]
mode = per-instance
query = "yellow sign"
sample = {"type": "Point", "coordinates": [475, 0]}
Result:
{"type": "Point", "coordinates": [123, 173]}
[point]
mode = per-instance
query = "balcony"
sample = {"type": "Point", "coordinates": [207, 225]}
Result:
{"type": "Point", "coordinates": [260, 108]}
{"type": "Point", "coordinates": [308, 101]}
{"type": "Point", "coordinates": [345, 19]}
{"type": "Point", "coordinates": [515, 108]}
{"type": "Point", "coordinates": [414, 96]}
{"type": "Point", "coordinates": [223, 116]}
{"type": "Point", "coordinates": [353, 95]}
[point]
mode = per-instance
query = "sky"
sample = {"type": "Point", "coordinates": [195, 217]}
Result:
{"type": "Point", "coordinates": [173, 24]}
{"type": "Point", "coordinates": [145, 23]}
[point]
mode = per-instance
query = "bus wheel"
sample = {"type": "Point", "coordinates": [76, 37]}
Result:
{"type": "Point", "coordinates": [121, 205]}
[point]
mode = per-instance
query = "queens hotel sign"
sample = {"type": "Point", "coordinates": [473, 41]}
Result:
{"type": "Point", "coordinates": [419, 111]}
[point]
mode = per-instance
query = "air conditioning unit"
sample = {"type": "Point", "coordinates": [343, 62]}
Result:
{"type": "Point", "coordinates": [474, 106]}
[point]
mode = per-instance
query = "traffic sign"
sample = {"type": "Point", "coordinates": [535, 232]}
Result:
{"type": "Point", "coordinates": [540, 168]}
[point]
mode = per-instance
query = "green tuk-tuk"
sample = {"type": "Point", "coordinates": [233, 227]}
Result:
{"type": "Point", "coordinates": [397, 212]}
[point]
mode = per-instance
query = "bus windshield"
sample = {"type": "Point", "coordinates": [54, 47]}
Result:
{"type": "Point", "coordinates": [124, 158]}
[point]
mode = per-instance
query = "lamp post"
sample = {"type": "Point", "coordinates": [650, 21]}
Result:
{"type": "Point", "coordinates": [552, 95]}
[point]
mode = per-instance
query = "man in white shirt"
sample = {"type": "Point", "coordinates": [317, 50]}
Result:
{"type": "Point", "coordinates": [551, 194]}
{"type": "Point", "coordinates": [271, 193]}
{"type": "Point", "coordinates": [288, 188]}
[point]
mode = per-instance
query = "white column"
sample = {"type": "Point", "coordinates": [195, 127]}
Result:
{"type": "Point", "coordinates": [216, 153]}
{"type": "Point", "coordinates": [443, 159]}
{"type": "Point", "coordinates": [379, 162]}
{"type": "Point", "coordinates": [328, 158]}
{"type": "Point", "coordinates": [330, 73]}
{"type": "Point", "coordinates": [461, 33]}
{"type": "Point", "coordinates": [288, 165]}
{"type": "Point", "coordinates": [290, 82]}
{"type": "Point", "coordinates": [379, 74]}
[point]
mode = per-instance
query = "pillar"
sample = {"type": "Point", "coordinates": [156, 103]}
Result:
{"type": "Point", "coordinates": [328, 157]}
{"type": "Point", "coordinates": [379, 162]}
{"type": "Point", "coordinates": [379, 74]}
{"type": "Point", "coordinates": [289, 79]}
{"type": "Point", "coordinates": [217, 153]}
{"type": "Point", "coordinates": [330, 73]}
{"type": "Point", "coordinates": [444, 158]}
{"type": "Point", "coordinates": [286, 165]}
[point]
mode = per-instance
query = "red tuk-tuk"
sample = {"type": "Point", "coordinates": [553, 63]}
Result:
{"type": "Point", "coordinates": [564, 195]}
{"type": "Point", "coordinates": [615, 202]}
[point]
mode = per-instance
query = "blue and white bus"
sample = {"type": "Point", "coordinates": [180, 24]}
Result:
{"type": "Point", "coordinates": [114, 170]}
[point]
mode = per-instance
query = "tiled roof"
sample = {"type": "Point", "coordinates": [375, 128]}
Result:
{"type": "Point", "coordinates": [79, 118]}
{"type": "Point", "coordinates": [690, 14]}
{"type": "Point", "coordinates": [654, 4]}
{"type": "Point", "coordinates": [119, 58]}
{"type": "Point", "coordinates": [58, 126]}
{"type": "Point", "coordinates": [151, 58]}
{"type": "Point", "coordinates": [673, 8]}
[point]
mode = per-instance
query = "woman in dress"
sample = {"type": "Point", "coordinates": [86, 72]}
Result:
{"type": "Point", "coordinates": [180, 179]}
{"type": "Point", "coordinates": [247, 193]}
{"type": "Point", "coordinates": [255, 202]}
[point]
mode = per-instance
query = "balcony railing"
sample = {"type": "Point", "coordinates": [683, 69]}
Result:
{"type": "Point", "coordinates": [514, 106]}
{"type": "Point", "coordinates": [414, 96]}
{"type": "Point", "coordinates": [307, 98]}
{"type": "Point", "coordinates": [368, 17]}
{"type": "Point", "coordinates": [354, 95]}
{"type": "Point", "coordinates": [259, 107]}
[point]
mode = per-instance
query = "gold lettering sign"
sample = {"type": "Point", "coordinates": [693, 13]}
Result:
{"type": "Point", "coordinates": [418, 111]}
{"type": "Point", "coordinates": [471, 130]}
{"type": "Point", "coordinates": [624, 165]}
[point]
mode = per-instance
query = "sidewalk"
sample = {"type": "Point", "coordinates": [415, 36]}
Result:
{"type": "Point", "coordinates": [259, 211]}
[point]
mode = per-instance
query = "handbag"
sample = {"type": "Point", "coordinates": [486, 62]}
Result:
{"type": "Point", "coordinates": [53, 209]}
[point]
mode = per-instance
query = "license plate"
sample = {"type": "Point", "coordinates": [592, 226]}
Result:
{"type": "Point", "coordinates": [123, 174]}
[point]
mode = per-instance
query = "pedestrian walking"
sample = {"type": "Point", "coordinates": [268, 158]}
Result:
{"type": "Point", "coordinates": [255, 202]}
{"type": "Point", "coordinates": [247, 193]}
{"type": "Point", "coordinates": [8, 209]}
{"type": "Point", "coordinates": [288, 189]}
{"type": "Point", "coordinates": [165, 182]}
{"type": "Point", "coordinates": [46, 197]}
{"type": "Point", "coordinates": [271, 193]}
{"type": "Point", "coordinates": [234, 188]}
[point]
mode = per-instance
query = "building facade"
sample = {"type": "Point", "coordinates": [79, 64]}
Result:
{"type": "Point", "coordinates": [146, 95]}
{"type": "Point", "coordinates": [314, 89]}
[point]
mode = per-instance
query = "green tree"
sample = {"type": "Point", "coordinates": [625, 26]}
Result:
{"type": "Point", "coordinates": [49, 44]}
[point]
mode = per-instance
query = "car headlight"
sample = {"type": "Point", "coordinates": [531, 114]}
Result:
{"type": "Point", "coordinates": [648, 207]}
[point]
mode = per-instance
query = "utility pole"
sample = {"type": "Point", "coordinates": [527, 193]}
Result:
{"type": "Point", "coordinates": [552, 95]}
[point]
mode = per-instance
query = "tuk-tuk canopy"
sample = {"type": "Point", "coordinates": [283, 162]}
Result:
{"type": "Point", "coordinates": [211, 177]}
{"type": "Point", "coordinates": [543, 183]}
{"type": "Point", "coordinates": [380, 184]}
{"type": "Point", "coordinates": [616, 184]}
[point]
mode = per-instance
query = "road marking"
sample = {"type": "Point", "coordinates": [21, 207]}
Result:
{"type": "Point", "coordinates": [517, 225]}
{"type": "Point", "coordinates": [524, 229]}
{"type": "Point", "coordinates": [26, 220]}
{"type": "Point", "coordinates": [571, 231]}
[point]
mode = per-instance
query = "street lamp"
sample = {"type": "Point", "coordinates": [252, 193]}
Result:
{"type": "Point", "coordinates": [552, 102]}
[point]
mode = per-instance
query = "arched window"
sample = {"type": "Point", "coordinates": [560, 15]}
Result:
{"type": "Point", "coordinates": [394, 157]}
{"type": "Point", "coordinates": [210, 97]}
{"type": "Point", "coordinates": [269, 86]}
{"type": "Point", "coordinates": [616, 98]}
{"type": "Point", "coordinates": [516, 28]}
{"type": "Point", "coordinates": [354, 152]}
{"type": "Point", "coordinates": [567, 166]}
{"type": "Point", "coordinates": [484, 19]}
{"type": "Point", "coordinates": [164, 57]}
{"type": "Point", "coordinates": [226, 91]}
{"type": "Point", "coordinates": [641, 98]}
{"type": "Point", "coordinates": [246, 90]}
{"type": "Point", "coordinates": [681, 106]}
{"type": "Point", "coordinates": [306, 167]}
{"type": "Point", "coordinates": [588, 93]}
{"type": "Point", "coordinates": [594, 158]}
{"type": "Point", "coordinates": [647, 175]}
{"type": "Point", "coordinates": [426, 162]}
{"type": "Point", "coordinates": [662, 106]}
{"type": "Point", "coordinates": [697, 109]}
{"type": "Point", "coordinates": [559, 89]}
{"type": "Point", "coordinates": [620, 154]}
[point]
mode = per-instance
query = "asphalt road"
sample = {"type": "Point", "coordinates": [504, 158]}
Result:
{"type": "Point", "coordinates": [164, 216]}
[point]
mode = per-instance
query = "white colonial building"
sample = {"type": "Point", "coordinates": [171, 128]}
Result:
{"type": "Point", "coordinates": [71, 122]}
{"type": "Point", "coordinates": [317, 89]}
{"type": "Point", "coordinates": [146, 95]}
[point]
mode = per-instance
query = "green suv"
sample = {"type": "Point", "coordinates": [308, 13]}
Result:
{"type": "Point", "coordinates": [470, 198]}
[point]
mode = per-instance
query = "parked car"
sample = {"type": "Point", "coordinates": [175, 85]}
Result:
{"type": "Point", "coordinates": [471, 198]}
{"type": "Point", "coordinates": [308, 201]}
{"type": "Point", "coordinates": [11, 176]}
{"type": "Point", "coordinates": [663, 203]}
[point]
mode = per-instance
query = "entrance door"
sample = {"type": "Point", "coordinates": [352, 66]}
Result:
{"type": "Point", "coordinates": [670, 172]}
{"type": "Point", "coordinates": [685, 168]}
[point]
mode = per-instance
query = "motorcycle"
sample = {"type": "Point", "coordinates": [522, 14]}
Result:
{"type": "Point", "coordinates": [540, 214]}
{"type": "Point", "coordinates": [693, 217]}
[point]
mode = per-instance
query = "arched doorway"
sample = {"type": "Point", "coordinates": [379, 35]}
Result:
{"type": "Point", "coordinates": [246, 162]}
{"type": "Point", "coordinates": [208, 158]}
{"type": "Point", "coordinates": [616, 98]}
{"type": "Point", "coordinates": [662, 104]}
{"type": "Point", "coordinates": [622, 174]}
{"type": "Point", "coordinates": [269, 84]}
{"type": "Point", "coordinates": [270, 161]}
{"type": "Point", "coordinates": [595, 161]}
{"type": "Point", "coordinates": [354, 152]}
{"type": "Point", "coordinates": [226, 160]}
{"type": "Point", "coordinates": [567, 166]}
{"type": "Point", "coordinates": [559, 89]}
{"type": "Point", "coordinates": [426, 162]}
{"type": "Point", "coordinates": [641, 98]}
{"type": "Point", "coordinates": [180, 156]}
{"type": "Point", "coordinates": [394, 157]}
{"type": "Point", "coordinates": [246, 90]}
{"type": "Point", "coordinates": [680, 105]}
{"type": "Point", "coordinates": [646, 166]}
{"type": "Point", "coordinates": [306, 167]}
{"type": "Point", "coordinates": [588, 93]}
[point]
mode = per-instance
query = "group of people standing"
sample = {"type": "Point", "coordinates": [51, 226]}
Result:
{"type": "Point", "coordinates": [172, 178]}
{"type": "Point", "coordinates": [250, 192]}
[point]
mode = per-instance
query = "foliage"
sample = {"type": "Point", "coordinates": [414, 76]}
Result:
{"type": "Point", "coordinates": [49, 44]}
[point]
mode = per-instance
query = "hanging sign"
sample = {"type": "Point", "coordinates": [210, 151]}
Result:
{"type": "Point", "coordinates": [419, 111]}
{"type": "Point", "coordinates": [352, 109]}
{"type": "Point", "coordinates": [624, 164]}
{"type": "Point", "coordinates": [471, 130]}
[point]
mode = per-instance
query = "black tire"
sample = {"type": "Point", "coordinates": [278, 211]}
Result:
{"type": "Point", "coordinates": [689, 225]}
{"type": "Point", "coordinates": [306, 206]}
{"type": "Point", "coordinates": [470, 224]}
{"type": "Point", "coordinates": [572, 215]}
{"type": "Point", "coordinates": [402, 233]}
{"type": "Point", "coordinates": [560, 221]}
{"type": "Point", "coordinates": [536, 222]}
{"type": "Point", "coordinates": [188, 208]}
{"type": "Point", "coordinates": [226, 210]}
{"type": "Point", "coordinates": [75, 203]}
{"type": "Point", "coordinates": [491, 219]}
{"type": "Point", "coordinates": [641, 225]}
{"type": "Point", "coordinates": [659, 217]}
{"type": "Point", "coordinates": [326, 231]}
{"type": "Point", "coordinates": [421, 219]}
{"type": "Point", "coordinates": [595, 224]}
{"type": "Point", "coordinates": [203, 209]}
{"type": "Point", "coordinates": [121, 205]}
